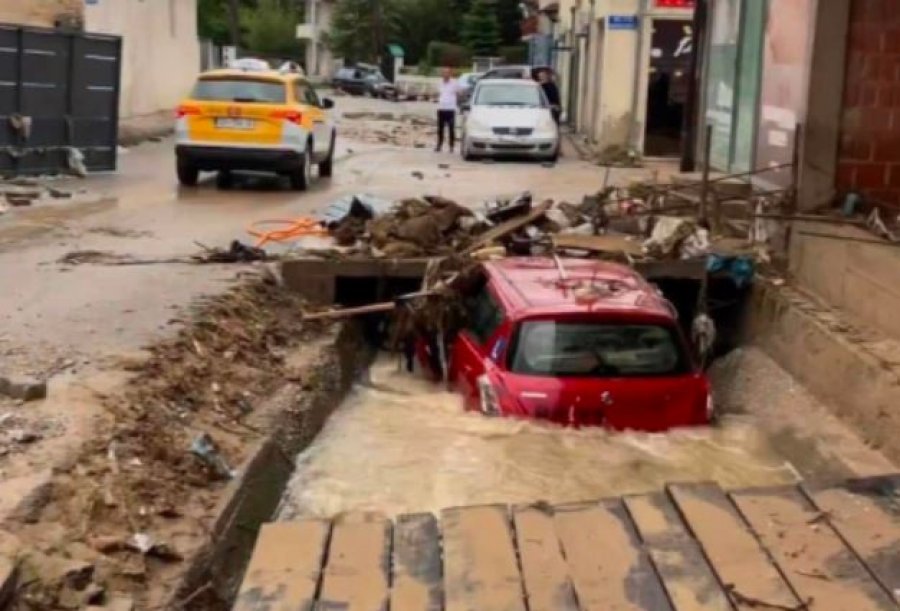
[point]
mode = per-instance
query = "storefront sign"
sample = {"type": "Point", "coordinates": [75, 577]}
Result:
{"type": "Point", "coordinates": [676, 3]}
{"type": "Point", "coordinates": [622, 22]}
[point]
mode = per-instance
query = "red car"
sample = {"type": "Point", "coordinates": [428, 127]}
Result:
{"type": "Point", "coordinates": [577, 342]}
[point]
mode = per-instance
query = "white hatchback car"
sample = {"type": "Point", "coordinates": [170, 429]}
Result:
{"type": "Point", "coordinates": [509, 118]}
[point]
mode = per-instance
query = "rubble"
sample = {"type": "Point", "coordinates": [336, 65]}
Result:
{"type": "Point", "coordinates": [22, 388]}
{"type": "Point", "coordinates": [406, 130]}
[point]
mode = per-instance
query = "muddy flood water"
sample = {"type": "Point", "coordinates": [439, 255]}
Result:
{"type": "Point", "coordinates": [400, 444]}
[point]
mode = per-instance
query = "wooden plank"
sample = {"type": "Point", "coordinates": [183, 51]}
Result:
{"type": "Point", "coordinates": [686, 576]}
{"type": "Point", "coordinates": [356, 573]}
{"type": "Point", "coordinates": [743, 567]}
{"type": "Point", "coordinates": [285, 567]}
{"type": "Point", "coordinates": [507, 227]}
{"type": "Point", "coordinates": [418, 569]}
{"type": "Point", "coordinates": [868, 521]}
{"type": "Point", "coordinates": [480, 568]}
{"type": "Point", "coordinates": [608, 567]}
{"type": "Point", "coordinates": [598, 243]}
{"type": "Point", "coordinates": [812, 557]}
{"type": "Point", "coordinates": [548, 586]}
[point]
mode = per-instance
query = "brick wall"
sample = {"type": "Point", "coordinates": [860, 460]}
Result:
{"type": "Point", "coordinates": [869, 158]}
{"type": "Point", "coordinates": [41, 12]}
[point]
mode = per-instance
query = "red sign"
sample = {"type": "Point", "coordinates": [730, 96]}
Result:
{"type": "Point", "coordinates": [675, 3]}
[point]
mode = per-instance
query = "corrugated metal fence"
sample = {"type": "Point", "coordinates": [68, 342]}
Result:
{"type": "Point", "coordinates": [59, 92]}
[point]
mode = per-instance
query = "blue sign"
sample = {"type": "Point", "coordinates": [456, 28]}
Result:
{"type": "Point", "coordinates": [622, 22]}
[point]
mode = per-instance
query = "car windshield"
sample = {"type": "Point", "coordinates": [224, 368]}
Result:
{"type": "Point", "coordinates": [597, 350]}
{"type": "Point", "coordinates": [509, 95]}
{"type": "Point", "coordinates": [240, 90]}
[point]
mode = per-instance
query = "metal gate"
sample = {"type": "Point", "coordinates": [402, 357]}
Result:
{"type": "Point", "coordinates": [59, 93]}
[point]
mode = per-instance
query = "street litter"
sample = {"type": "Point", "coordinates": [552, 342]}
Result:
{"type": "Point", "coordinates": [206, 450]}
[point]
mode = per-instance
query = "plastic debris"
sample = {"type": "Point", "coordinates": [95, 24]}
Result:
{"type": "Point", "coordinates": [206, 450]}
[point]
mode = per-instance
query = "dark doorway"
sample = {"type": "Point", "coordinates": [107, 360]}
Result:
{"type": "Point", "coordinates": [669, 84]}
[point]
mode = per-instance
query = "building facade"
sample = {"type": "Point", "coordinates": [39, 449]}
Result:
{"type": "Point", "coordinates": [623, 67]}
{"type": "Point", "coordinates": [320, 63]}
{"type": "Point", "coordinates": [160, 49]}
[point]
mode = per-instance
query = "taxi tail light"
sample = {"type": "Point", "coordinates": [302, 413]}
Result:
{"type": "Point", "coordinates": [185, 110]}
{"type": "Point", "coordinates": [288, 115]}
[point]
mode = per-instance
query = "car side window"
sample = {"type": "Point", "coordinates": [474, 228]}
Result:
{"type": "Point", "coordinates": [485, 316]}
{"type": "Point", "coordinates": [299, 93]}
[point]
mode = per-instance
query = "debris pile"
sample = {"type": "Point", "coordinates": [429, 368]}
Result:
{"type": "Point", "coordinates": [405, 130]}
{"type": "Point", "coordinates": [21, 192]}
{"type": "Point", "coordinates": [136, 497]}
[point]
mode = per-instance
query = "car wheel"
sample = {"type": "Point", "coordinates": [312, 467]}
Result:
{"type": "Point", "coordinates": [466, 151]}
{"type": "Point", "coordinates": [224, 179]}
{"type": "Point", "coordinates": [301, 177]}
{"type": "Point", "coordinates": [326, 168]}
{"type": "Point", "coordinates": [188, 174]}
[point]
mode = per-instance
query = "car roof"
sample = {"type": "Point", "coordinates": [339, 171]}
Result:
{"type": "Point", "coordinates": [272, 75]}
{"type": "Point", "coordinates": [533, 286]}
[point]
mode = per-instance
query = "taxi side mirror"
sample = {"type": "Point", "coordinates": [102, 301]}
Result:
{"type": "Point", "coordinates": [327, 103]}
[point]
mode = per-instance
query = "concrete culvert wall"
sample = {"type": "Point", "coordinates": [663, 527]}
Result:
{"type": "Point", "coordinates": [298, 412]}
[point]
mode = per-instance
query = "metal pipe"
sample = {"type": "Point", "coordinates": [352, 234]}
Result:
{"type": "Point", "coordinates": [704, 185]}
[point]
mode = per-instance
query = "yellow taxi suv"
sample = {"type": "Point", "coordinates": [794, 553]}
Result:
{"type": "Point", "coordinates": [255, 120]}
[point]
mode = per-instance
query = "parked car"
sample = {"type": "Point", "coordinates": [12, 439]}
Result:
{"type": "Point", "coordinates": [467, 84]}
{"type": "Point", "coordinates": [364, 79]}
{"type": "Point", "coordinates": [507, 118]}
{"type": "Point", "coordinates": [350, 80]}
{"type": "Point", "coordinates": [254, 119]}
{"type": "Point", "coordinates": [378, 86]}
{"type": "Point", "coordinates": [576, 342]}
{"type": "Point", "coordinates": [515, 72]}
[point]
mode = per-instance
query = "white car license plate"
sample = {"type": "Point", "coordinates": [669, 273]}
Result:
{"type": "Point", "coordinates": [235, 123]}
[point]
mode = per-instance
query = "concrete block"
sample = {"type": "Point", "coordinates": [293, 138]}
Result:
{"type": "Point", "coordinates": [25, 389]}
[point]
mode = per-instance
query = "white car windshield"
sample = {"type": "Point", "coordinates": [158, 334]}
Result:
{"type": "Point", "coordinates": [509, 94]}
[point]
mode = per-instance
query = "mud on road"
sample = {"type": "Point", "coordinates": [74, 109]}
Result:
{"type": "Point", "coordinates": [129, 511]}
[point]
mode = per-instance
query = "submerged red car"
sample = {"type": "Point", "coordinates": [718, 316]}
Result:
{"type": "Point", "coordinates": [577, 342]}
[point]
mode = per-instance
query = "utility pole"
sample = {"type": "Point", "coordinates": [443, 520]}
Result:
{"type": "Point", "coordinates": [234, 22]}
{"type": "Point", "coordinates": [377, 28]}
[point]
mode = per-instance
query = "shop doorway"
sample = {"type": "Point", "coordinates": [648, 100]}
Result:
{"type": "Point", "coordinates": [668, 84]}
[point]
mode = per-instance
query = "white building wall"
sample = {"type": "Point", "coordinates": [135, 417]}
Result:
{"type": "Point", "coordinates": [160, 50]}
{"type": "Point", "coordinates": [612, 104]}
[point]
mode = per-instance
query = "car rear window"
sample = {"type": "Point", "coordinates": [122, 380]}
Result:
{"type": "Point", "coordinates": [241, 90]}
{"type": "Point", "coordinates": [497, 94]}
{"type": "Point", "coordinates": [597, 349]}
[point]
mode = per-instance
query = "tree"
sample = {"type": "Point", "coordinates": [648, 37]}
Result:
{"type": "Point", "coordinates": [359, 29]}
{"type": "Point", "coordinates": [270, 28]}
{"type": "Point", "coordinates": [509, 14]}
{"type": "Point", "coordinates": [417, 23]}
{"type": "Point", "coordinates": [480, 28]}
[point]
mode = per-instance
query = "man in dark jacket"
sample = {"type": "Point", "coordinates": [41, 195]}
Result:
{"type": "Point", "coordinates": [545, 78]}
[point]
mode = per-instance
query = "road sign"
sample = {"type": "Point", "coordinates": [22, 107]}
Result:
{"type": "Point", "coordinates": [622, 22]}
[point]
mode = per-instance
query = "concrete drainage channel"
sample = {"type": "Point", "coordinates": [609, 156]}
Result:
{"type": "Point", "coordinates": [773, 429]}
{"type": "Point", "coordinates": [793, 435]}
{"type": "Point", "coordinates": [215, 573]}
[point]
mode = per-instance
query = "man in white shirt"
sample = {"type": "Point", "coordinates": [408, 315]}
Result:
{"type": "Point", "coordinates": [448, 100]}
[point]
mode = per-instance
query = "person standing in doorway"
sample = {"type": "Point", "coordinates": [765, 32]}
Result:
{"type": "Point", "coordinates": [551, 91]}
{"type": "Point", "coordinates": [448, 100]}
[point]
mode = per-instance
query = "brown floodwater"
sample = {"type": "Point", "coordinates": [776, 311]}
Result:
{"type": "Point", "coordinates": [400, 444]}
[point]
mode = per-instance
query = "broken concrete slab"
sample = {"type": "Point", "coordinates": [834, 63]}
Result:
{"type": "Point", "coordinates": [22, 388]}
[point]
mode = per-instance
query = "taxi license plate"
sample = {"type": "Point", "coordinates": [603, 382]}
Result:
{"type": "Point", "coordinates": [235, 123]}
